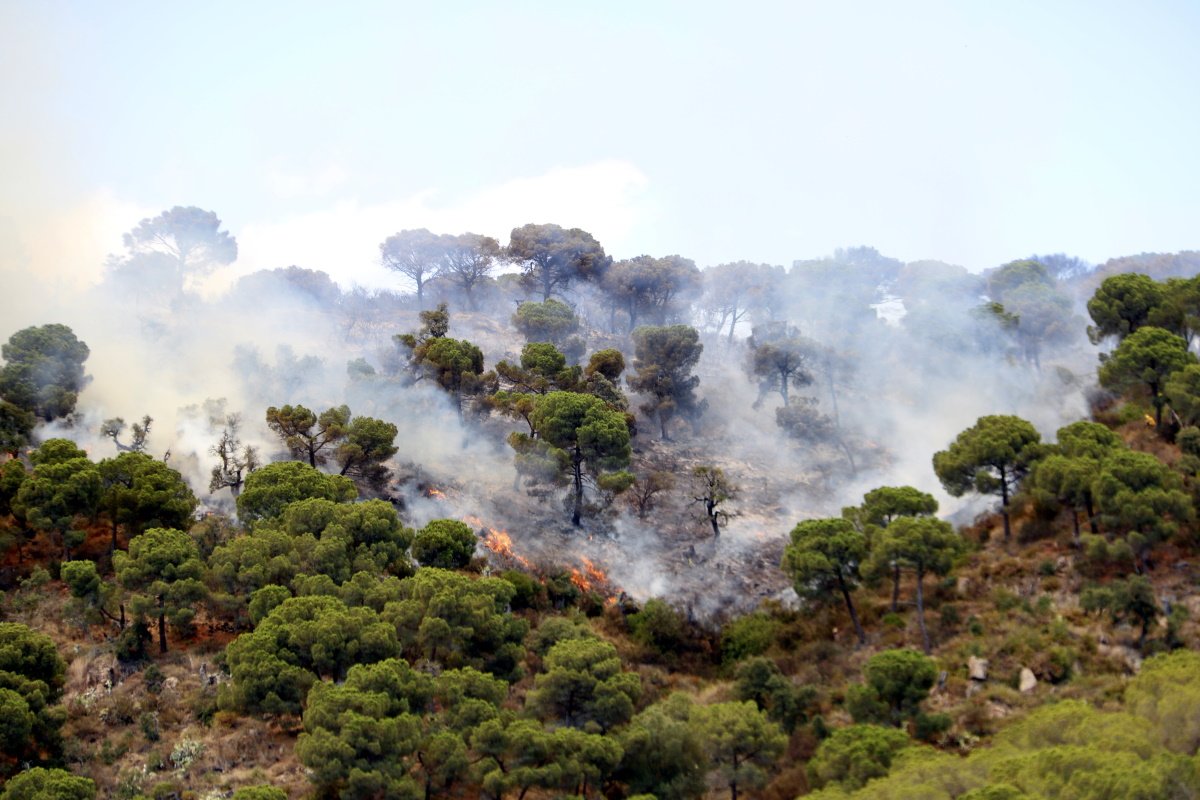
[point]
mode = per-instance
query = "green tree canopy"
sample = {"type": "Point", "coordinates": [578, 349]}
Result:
{"type": "Point", "coordinates": [897, 682]}
{"type": "Point", "coordinates": [164, 573]}
{"type": "Point", "coordinates": [307, 435]}
{"type": "Point", "coordinates": [990, 457]}
{"type": "Point", "coordinates": [922, 545]}
{"type": "Point", "coordinates": [368, 444]}
{"type": "Point", "coordinates": [32, 674]}
{"type": "Point", "coordinates": [64, 485]}
{"type": "Point", "coordinates": [583, 682]}
{"type": "Point", "coordinates": [444, 543]}
{"type": "Point", "coordinates": [664, 358]}
{"type": "Point", "coordinates": [1145, 360]}
{"type": "Point", "coordinates": [299, 642]}
{"type": "Point", "coordinates": [854, 755]}
{"type": "Point", "coordinates": [781, 359]}
{"type": "Point", "coordinates": [1138, 495]}
{"type": "Point", "coordinates": [43, 370]}
{"type": "Point", "coordinates": [40, 783]}
{"type": "Point", "coordinates": [579, 435]}
{"type": "Point", "coordinates": [740, 743]}
{"type": "Point", "coordinates": [553, 258]}
{"type": "Point", "coordinates": [1122, 304]}
{"type": "Point", "coordinates": [823, 558]}
{"type": "Point", "coordinates": [1129, 599]}
{"type": "Point", "coordinates": [548, 321]}
{"type": "Point", "coordinates": [270, 489]}
{"type": "Point", "coordinates": [140, 492]}
{"type": "Point", "coordinates": [458, 621]}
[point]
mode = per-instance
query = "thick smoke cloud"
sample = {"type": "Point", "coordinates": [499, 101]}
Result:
{"type": "Point", "coordinates": [910, 362]}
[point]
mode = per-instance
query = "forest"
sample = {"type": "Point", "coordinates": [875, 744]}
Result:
{"type": "Point", "coordinates": [542, 522]}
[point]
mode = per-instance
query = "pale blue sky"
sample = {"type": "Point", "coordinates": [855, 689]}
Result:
{"type": "Point", "coordinates": [970, 132]}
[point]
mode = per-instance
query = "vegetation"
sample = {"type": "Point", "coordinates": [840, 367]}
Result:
{"type": "Point", "coordinates": [344, 625]}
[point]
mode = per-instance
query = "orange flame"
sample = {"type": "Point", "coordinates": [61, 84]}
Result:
{"type": "Point", "coordinates": [438, 493]}
{"type": "Point", "coordinates": [500, 543]}
{"type": "Point", "coordinates": [590, 578]}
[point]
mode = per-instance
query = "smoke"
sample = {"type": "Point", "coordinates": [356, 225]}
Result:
{"type": "Point", "coordinates": [898, 384]}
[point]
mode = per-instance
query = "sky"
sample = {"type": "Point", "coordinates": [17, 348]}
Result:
{"type": "Point", "coordinates": [970, 132]}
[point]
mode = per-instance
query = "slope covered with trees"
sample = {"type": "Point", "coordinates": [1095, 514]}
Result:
{"type": "Point", "coordinates": [579, 539]}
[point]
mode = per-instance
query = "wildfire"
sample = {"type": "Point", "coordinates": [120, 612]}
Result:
{"type": "Point", "coordinates": [499, 542]}
{"type": "Point", "coordinates": [438, 493]}
{"type": "Point", "coordinates": [590, 577]}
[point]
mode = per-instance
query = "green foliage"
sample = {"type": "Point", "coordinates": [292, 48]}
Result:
{"type": "Point", "coordinates": [445, 544]}
{"type": "Point", "coordinates": [455, 365]}
{"type": "Point", "coordinates": [270, 489]}
{"type": "Point", "coordinates": [921, 545]}
{"type": "Point", "coordinates": [664, 752]}
{"type": "Point", "coordinates": [1145, 359]}
{"type": "Point", "coordinates": [554, 629]}
{"type": "Point", "coordinates": [1122, 304]}
{"type": "Point", "coordinates": [882, 505]}
{"type": "Point", "coordinates": [64, 484]}
{"type": "Point", "coordinates": [1166, 693]}
{"type": "Point", "coordinates": [259, 793]}
{"type": "Point", "coordinates": [823, 561]}
{"type": "Point", "coordinates": [660, 626]}
{"type": "Point", "coordinates": [163, 572]}
{"type": "Point", "coordinates": [760, 680]}
{"type": "Point", "coordinates": [663, 361]}
{"type": "Point", "coordinates": [1182, 391]}
{"type": "Point", "coordinates": [781, 359]}
{"type": "Point", "coordinates": [855, 755]}
{"type": "Point", "coordinates": [265, 600]}
{"type": "Point", "coordinates": [1132, 599]}
{"type": "Point", "coordinates": [16, 425]}
{"type": "Point", "coordinates": [579, 434]}
{"type": "Point", "coordinates": [369, 442]}
{"type": "Point", "coordinates": [39, 783]}
{"type": "Point", "coordinates": [308, 436]}
{"type": "Point", "coordinates": [1138, 495]}
{"type": "Point", "coordinates": [140, 492]}
{"type": "Point", "coordinates": [748, 635]}
{"type": "Point", "coordinates": [360, 737]}
{"type": "Point", "coordinates": [739, 742]}
{"type": "Point", "coordinates": [897, 682]}
{"type": "Point", "coordinates": [298, 642]}
{"type": "Point", "coordinates": [42, 374]}
{"type": "Point", "coordinates": [991, 457]}
{"type": "Point", "coordinates": [458, 621]}
{"type": "Point", "coordinates": [552, 258]}
{"type": "Point", "coordinates": [583, 683]}
{"type": "Point", "coordinates": [31, 679]}
{"type": "Point", "coordinates": [549, 321]}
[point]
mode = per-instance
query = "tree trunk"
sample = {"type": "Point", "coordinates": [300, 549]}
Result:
{"type": "Point", "coordinates": [578, 487]}
{"type": "Point", "coordinates": [711, 508]}
{"type": "Point", "coordinates": [858, 628]}
{"type": "Point", "coordinates": [1091, 512]}
{"type": "Point", "coordinates": [921, 610]}
{"type": "Point", "coordinates": [112, 551]}
{"type": "Point", "coordinates": [1004, 504]}
{"type": "Point", "coordinates": [895, 588]}
{"type": "Point", "coordinates": [733, 323]}
{"type": "Point", "coordinates": [783, 387]}
{"type": "Point", "coordinates": [162, 624]}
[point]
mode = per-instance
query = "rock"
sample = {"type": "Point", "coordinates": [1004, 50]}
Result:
{"type": "Point", "coordinates": [977, 668]}
{"type": "Point", "coordinates": [1028, 681]}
